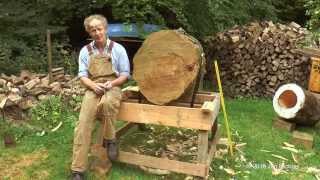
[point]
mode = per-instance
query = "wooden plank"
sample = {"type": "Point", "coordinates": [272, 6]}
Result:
{"type": "Point", "coordinates": [215, 112]}
{"type": "Point", "coordinates": [183, 104]}
{"type": "Point", "coordinates": [213, 146]}
{"type": "Point", "coordinates": [169, 115]}
{"type": "Point", "coordinates": [207, 107]}
{"type": "Point", "coordinates": [313, 52]}
{"type": "Point", "coordinates": [282, 124]}
{"type": "Point", "coordinates": [202, 146]}
{"type": "Point", "coordinates": [121, 131]}
{"type": "Point", "coordinates": [166, 164]}
{"type": "Point", "coordinates": [200, 98]}
{"type": "Point", "coordinates": [165, 115]}
{"type": "Point", "coordinates": [301, 138]}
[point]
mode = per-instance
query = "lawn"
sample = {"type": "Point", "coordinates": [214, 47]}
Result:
{"type": "Point", "coordinates": [48, 156]}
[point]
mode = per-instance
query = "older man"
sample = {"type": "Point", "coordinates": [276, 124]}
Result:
{"type": "Point", "coordinates": [103, 67]}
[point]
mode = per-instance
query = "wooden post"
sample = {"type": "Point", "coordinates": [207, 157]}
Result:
{"type": "Point", "coordinates": [202, 146]}
{"type": "Point", "coordinates": [49, 56]}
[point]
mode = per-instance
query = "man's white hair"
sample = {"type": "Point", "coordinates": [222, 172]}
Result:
{"type": "Point", "coordinates": [99, 17]}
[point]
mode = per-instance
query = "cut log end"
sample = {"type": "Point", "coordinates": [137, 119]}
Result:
{"type": "Point", "coordinates": [167, 65]}
{"type": "Point", "coordinates": [297, 105]}
{"type": "Point", "coordinates": [288, 100]}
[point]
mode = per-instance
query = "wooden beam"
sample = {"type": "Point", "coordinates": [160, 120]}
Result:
{"type": "Point", "coordinates": [215, 112]}
{"type": "Point", "coordinates": [161, 163]}
{"type": "Point", "coordinates": [202, 146]}
{"type": "Point", "coordinates": [213, 146]}
{"type": "Point", "coordinates": [166, 115]}
{"type": "Point", "coordinates": [313, 52]}
{"type": "Point", "coordinates": [184, 104]}
{"type": "Point", "coordinates": [200, 98]}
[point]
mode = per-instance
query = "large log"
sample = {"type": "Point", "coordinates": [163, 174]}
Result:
{"type": "Point", "coordinates": [297, 105]}
{"type": "Point", "coordinates": [167, 65]}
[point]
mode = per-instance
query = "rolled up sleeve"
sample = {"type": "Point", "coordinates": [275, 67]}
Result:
{"type": "Point", "coordinates": [83, 63]}
{"type": "Point", "coordinates": [123, 63]}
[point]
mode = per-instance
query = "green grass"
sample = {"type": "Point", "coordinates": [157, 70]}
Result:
{"type": "Point", "coordinates": [250, 121]}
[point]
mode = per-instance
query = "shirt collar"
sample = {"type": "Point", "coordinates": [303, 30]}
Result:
{"type": "Point", "coordinates": [93, 44]}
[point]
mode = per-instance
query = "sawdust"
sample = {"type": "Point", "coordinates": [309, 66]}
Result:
{"type": "Point", "coordinates": [13, 167]}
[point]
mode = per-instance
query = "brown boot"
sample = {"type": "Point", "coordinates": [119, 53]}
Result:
{"type": "Point", "coordinates": [112, 149]}
{"type": "Point", "coordinates": [77, 175]}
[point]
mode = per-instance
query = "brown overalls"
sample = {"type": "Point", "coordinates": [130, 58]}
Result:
{"type": "Point", "coordinates": [100, 70]}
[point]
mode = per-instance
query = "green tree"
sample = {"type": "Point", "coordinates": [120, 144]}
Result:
{"type": "Point", "coordinates": [24, 23]}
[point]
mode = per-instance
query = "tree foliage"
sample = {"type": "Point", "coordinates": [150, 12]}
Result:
{"type": "Point", "coordinates": [313, 11]}
{"type": "Point", "coordinates": [24, 23]}
{"type": "Point", "coordinates": [291, 10]}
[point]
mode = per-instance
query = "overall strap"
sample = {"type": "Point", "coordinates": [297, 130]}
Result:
{"type": "Point", "coordinates": [89, 48]}
{"type": "Point", "coordinates": [110, 46]}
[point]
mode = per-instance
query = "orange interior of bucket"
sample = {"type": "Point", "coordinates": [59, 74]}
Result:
{"type": "Point", "coordinates": [287, 99]}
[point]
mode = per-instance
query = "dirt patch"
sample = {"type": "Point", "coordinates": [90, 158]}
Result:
{"type": "Point", "coordinates": [14, 167]}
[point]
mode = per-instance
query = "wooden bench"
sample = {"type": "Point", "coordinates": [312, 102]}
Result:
{"type": "Point", "coordinates": [202, 117]}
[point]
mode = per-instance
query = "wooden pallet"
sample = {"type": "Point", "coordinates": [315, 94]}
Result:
{"type": "Point", "coordinates": [202, 117]}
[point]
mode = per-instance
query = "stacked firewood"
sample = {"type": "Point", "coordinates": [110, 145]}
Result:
{"type": "Point", "coordinates": [27, 90]}
{"type": "Point", "coordinates": [258, 57]}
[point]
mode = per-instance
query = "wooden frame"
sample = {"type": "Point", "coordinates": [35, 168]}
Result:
{"type": "Point", "coordinates": [175, 116]}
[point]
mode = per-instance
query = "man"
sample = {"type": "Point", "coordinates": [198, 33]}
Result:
{"type": "Point", "coordinates": [103, 67]}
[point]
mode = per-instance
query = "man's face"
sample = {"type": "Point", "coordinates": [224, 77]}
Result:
{"type": "Point", "coordinates": [97, 31]}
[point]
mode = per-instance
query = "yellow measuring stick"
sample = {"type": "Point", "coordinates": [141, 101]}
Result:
{"type": "Point", "coordinates": [223, 107]}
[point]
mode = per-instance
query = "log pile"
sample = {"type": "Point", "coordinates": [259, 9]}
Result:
{"type": "Point", "coordinates": [20, 93]}
{"type": "Point", "coordinates": [258, 57]}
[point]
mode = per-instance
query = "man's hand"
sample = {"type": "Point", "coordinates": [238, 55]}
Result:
{"type": "Point", "coordinates": [108, 85]}
{"type": "Point", "coordinates": [98, 88]}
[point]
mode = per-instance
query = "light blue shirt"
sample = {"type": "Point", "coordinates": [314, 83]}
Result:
{"type": "Point", "coordinates": [120, 61]}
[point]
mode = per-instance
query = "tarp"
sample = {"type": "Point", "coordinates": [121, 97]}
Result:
{"type": "Point", "coordinates": [131, 30]}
